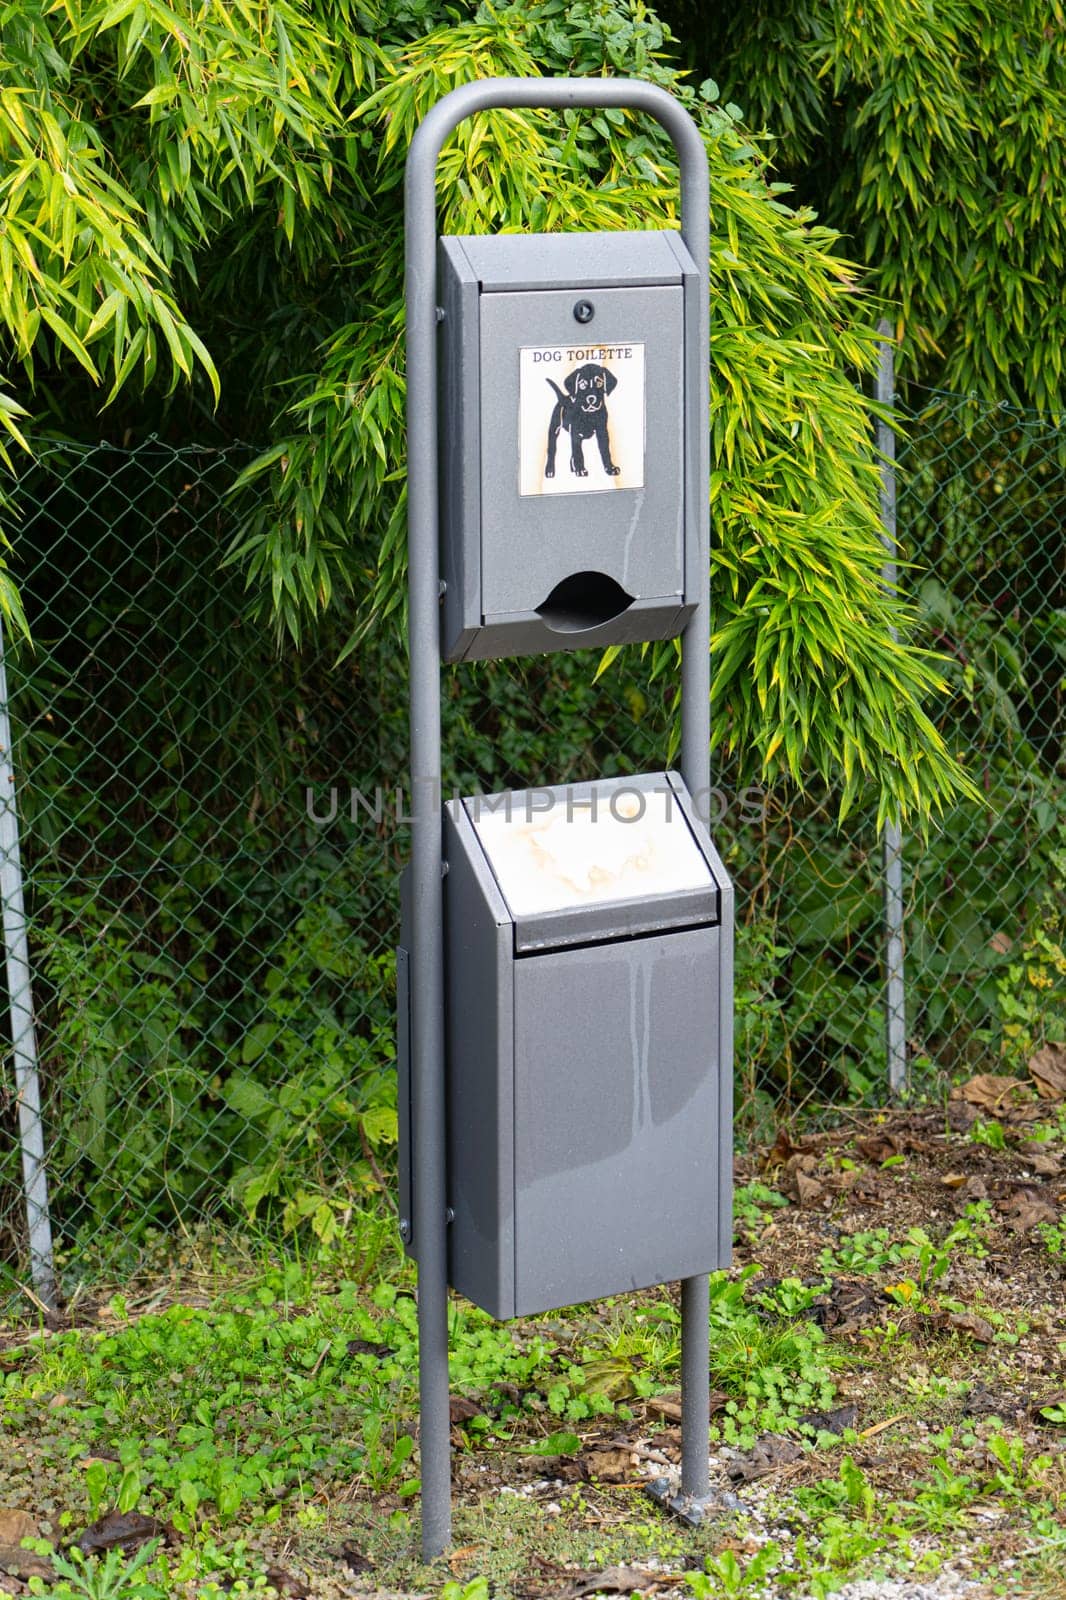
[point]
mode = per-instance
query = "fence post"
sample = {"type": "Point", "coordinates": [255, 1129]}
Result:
{"type": "Point", "coordinates": [892, 839]}
{"type": "Point", "coordinates": [20, 1001]}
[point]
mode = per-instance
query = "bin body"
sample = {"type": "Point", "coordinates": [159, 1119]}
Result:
{"type": "Point", "coordinates": [568, 508]}
{"type": "Point", "coordinates": [588, 1076]}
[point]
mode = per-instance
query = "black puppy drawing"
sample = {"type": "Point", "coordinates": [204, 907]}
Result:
{"type": "Point", "coordinates": [583, 410]}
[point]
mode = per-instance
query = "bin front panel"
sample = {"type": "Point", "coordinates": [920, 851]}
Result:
{"type": "Point", "coordinates": [582, 444]}
{"type": "Point", "coordinates": [616, 1113]}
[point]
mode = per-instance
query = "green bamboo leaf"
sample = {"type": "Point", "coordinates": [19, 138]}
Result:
{"type": "Point", "coordinates": [128, 363]}
{"type": "Point", "coordinates": [69, 339]}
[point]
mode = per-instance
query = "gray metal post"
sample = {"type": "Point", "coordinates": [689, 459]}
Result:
{"type": "Point", "coordinates": [427, 959]}
{"type": "Point", "coordinates": [20, 1001]}
{"type": "Point", "coordinates": [892, 841]}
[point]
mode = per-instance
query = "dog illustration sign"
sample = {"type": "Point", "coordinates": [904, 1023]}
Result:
{"type": "Point", "coordinates": [581, 418]}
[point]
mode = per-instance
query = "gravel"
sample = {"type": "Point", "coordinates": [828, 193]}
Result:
{"type": "Point", "coordinates": [945, 1585]}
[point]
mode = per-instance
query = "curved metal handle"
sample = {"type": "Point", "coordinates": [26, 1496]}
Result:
{"type": "Point", "coordinates": [547, 94]}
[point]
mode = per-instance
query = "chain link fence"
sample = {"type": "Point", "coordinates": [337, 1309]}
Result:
{"type": "Point", "coordinates": [983, 512]}
{"type": "Point", "coordinates": [211, 831]}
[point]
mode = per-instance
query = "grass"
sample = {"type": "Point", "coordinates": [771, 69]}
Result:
{"type": "Point", "coordinates": [266, 1414]}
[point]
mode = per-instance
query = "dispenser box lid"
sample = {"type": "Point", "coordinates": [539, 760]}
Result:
{"type": "Point", "coordinates": [509, 262]}
{"type": "Point", "coordinates": [599, 860]}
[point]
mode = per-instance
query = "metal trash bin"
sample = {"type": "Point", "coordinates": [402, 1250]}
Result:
{"type": "Point", "coordinates": [588, 1005]}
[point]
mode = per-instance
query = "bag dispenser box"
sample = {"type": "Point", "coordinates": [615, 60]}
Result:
{"type": "Point", "coordinates": [588, 1005]}
{"type": "Point", "coordinates": [569, 474]}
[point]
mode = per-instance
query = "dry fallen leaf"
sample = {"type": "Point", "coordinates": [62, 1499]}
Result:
{"type": "Point", "coordinates": [124, 1530]}
{"type": "Point", "coordinates": [460, 1409]}
{"type": "Point", "coordinates": [1040, 1158]}
{"type": "Point", "coordinates": [609, 1466]}
{"type": "Point", "coordinates": [354, 1559]}
{"type": "Point", "coordinates": [990, 1092]}
{"type": "Point", "coordinates": [461, 1557]}
{"type": "Point", "coordinates": [668, 1406]}
{"type": "Point", "coordinates": [1048, 1070]}
{"type": "Point", "coordinates": [614, 1580]}
{"type": "Point", "coordinates": [808, 1189]}
{"type": "Point", "coordinates": [768, 1454]}
{"type": "Point", "coordinates": [985, 1402]}
{"type": "Point", "coordinates": [968, 1322]}
{"type": "Point", "coordinates": [847, 1305]}
{"type": "Point", "coordinates": [834, 1421]}
{"type": "Point", "coordinates": [879, 1148]}
{"type": "Point", "coordinates": [287, 1583]}
{"type": "Point", "coordinates": [16, 1525]}
{"type": "Point", "coordinates": [780, 1151]}
{"type": "Point", "coordinates": [741, 1547]}
{"type": "Point", "coordinates": [368, 1347]}
{"type": "Point", "coordinates": [1026, 1207]}
{"type": "Point", "coordinates": [24, 1564]}
{"type": "Point", "coordinates": [869, 1189]}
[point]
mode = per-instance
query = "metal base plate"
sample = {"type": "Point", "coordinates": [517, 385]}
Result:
{"type": "Point", "coordinates": [691, 1509]}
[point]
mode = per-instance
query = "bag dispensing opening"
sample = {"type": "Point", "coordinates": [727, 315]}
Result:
{"type": "Point", "coordinates": [583, 600]}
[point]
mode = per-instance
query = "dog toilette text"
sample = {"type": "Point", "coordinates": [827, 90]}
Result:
{"type": "Point", "coordinates": [591, 352]}
{"type": "Point", "coordinates": [581, 418]}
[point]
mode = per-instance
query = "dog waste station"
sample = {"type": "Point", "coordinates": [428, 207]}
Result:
{"type": "Point", "coordinates": [564, 975]}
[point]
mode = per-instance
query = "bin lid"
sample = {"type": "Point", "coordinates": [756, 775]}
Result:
{"type": "Point", "coordinates": [558, 854]}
